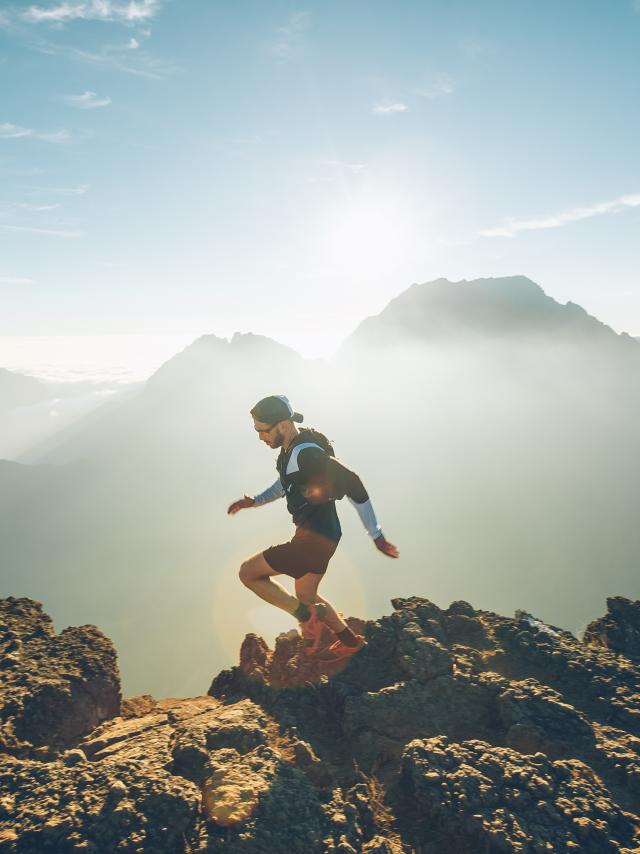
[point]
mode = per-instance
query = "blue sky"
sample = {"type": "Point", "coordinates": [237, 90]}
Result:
{"type": "Point", "coordinates": [174, 168]}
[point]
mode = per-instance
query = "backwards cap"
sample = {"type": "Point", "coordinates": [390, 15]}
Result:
{"type": "Point", "coordinates": [275, 408]}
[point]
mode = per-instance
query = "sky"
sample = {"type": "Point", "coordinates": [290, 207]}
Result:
{"type": "Point", "coordinates": [169, 169]}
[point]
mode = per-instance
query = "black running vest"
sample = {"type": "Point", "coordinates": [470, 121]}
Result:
{"type": "Point", "coordinates": [322, 518]}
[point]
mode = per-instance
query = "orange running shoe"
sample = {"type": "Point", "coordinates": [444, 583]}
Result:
{"type": "Point", "coordinates": [340, 650]}
{"type": "Point", "coordinates": [311, 629]}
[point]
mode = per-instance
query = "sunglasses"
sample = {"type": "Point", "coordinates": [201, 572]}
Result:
{"type": "Point", "coordinates": [266, 429]}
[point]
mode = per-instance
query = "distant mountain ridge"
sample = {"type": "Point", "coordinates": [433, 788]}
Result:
{"type": "Point", "coordinates": [480, 308]}
{"type": "Point", "coordinates": [507, 309]}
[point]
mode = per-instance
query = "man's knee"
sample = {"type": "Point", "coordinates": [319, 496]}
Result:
{"type": "Point", "coordinates": [245, 574]}
{"type": "Point", "coordinates": [251, 570]}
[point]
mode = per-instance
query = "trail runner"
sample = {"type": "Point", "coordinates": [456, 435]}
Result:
{"type": "Point", "coordinates": [311, 479]}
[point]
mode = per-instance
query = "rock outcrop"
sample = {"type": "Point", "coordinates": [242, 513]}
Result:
{"type": "Point", "coordinates": [54, 688]}
{"type": "Point", "coordinates": [453, 730]}
{"type": "Point", "coordinates": [619, 629]}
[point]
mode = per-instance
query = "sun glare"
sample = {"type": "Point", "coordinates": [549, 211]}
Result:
{"type": "Point", "coordinates": [369, 238]}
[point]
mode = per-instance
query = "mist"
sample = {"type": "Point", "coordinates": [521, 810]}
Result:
{"type": "Point", "coordinates": [503, 466]}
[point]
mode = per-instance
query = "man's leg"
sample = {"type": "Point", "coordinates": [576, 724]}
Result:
{"type": "Point", "coordinates": [307, 592]}
{"type": "Point", "coordinates": [256, 574]}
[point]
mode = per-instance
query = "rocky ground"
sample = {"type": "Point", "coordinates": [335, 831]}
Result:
{"type": "Point", "coordinates": [453, 731]}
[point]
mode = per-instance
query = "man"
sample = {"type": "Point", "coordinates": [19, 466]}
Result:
{"type": "Point", "coordinates": [311, 479]}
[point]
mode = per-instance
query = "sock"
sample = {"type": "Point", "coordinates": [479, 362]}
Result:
{"type": "Point", "coordinates": [302, 613]}
{"type": "Point", "coordinates": [347, 637]}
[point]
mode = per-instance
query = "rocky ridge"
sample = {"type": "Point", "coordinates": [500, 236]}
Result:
{"type": "Point", "coordinates": [456, 729]}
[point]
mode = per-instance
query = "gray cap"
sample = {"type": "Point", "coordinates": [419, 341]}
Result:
{"type": "Point", "coordinates": [275, 408]}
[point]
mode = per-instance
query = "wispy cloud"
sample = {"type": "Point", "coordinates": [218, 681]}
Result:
{"type": "Point", "coordinates": [389, 108]}
{"type": "Point", "coordinates": [15, 280]}
{"type": "Point", "coordinates": [28, 206]}
{"type": "Point", "coordinates": [122, 57]}
{"type": "Point", "coordinates": [441, 86]}
{"type": "Point", "coordinates": [289, 38]}
{"type": "Point", "coordinates": [513, 227]}
{"type": "Point", "coordinates": [51, 232]}
{"type": "Point", "coordinates": [80, 190]}
{"type": "Point", "coordinates": [94, 10]}
{"type": "Point", "coordinates": [87, 101]}
{"type": "Point", "coordinates": [11, 131]}
{"type": "Point", "coordinates": [57, 137]}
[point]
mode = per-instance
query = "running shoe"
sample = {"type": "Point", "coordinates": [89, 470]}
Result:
{"type": "Point", "coordinates": [339, 650]}
{"type": "Point", "coordinates": [311, 629]}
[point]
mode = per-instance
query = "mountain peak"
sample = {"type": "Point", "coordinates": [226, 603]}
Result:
{"type": "Point", "coordinates": [468, 310]}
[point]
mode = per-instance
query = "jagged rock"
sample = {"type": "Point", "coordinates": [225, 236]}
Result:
{"type": "Point", "coordinates": [478, 798]}
{"type": "Point", "coordinates": [288, 665]}
{"type": "Point", "coordinates": [54, 688]}
{"type": "Point", "coordinates": [597, 681]}
{"type": "Point", "coordinates": [619, 629]}
{"type": "Point", "coordinates": [290, 752]}
{"type": "Point", "coordinates": [134, 707]}
{"type": "Point", "coordinates": [379, 724]}
{"type": "Point", "coordinates": [534, 718]}
{"type": "Point", "coordinates": [253, 657]}
{"type": "Point", "coordinates": [421, 657]}
{"type": "Point", "coordinates": [73, 757]}
{"type": "Point", "coordinates": [100, 808]}
{"type": "Point", "coordinates": [619, 753]}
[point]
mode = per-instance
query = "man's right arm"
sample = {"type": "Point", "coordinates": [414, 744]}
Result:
{"type": "Point", "coordinates": [273, 492]}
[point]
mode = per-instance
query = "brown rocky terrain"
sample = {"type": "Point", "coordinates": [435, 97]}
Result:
{"type": "Point", "coordinates": [453, 731]}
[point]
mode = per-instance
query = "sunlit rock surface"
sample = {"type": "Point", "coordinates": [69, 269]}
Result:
{"type": "Point", "coordinates": [53, 688]}
{"type": "Point", "coordinates": [453, 730]}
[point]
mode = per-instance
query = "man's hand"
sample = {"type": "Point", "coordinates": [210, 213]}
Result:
{"type": "Point", "coordinates": [386, 547]}
{"type": "Point", "coordinates": [242, 504]}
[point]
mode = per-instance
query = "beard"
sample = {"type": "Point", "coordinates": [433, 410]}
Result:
{"type": "Point", "coordinates": [277, 440]}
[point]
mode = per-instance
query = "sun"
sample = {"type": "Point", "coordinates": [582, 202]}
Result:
{"type": "Point", "coordinates": [368, 238]}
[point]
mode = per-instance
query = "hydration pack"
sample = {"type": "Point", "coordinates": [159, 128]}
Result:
{"type": "Point", "coordinates": [311, 435]}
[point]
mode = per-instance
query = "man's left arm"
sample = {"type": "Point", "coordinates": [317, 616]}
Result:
{"type": "Point", "coordinates": [347, 482]}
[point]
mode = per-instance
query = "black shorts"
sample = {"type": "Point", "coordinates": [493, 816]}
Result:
{"type": "Point", "coordinates": [308, 551]}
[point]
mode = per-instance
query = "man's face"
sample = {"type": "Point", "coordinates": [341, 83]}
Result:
{"type": "Point", "coordinates": [270, 434]}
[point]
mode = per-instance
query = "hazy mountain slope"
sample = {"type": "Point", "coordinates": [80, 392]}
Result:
{"type": "Point", "coordinates": [19, 390]}
{"type": "Point", "coordinates": [130, 512]}
{"type": "Point", "coordinates": [34, 412]}
{"type": "Point", "coordinates": [198, 384]}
